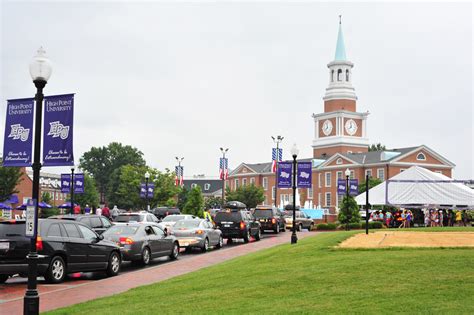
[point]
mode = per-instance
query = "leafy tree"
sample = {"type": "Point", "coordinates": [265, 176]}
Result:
{"type": "Point", "coordinates": [251, 195]}
{"type": "Point", "coordinates": [195, 203]}
{"type": "Point", "coordinates": [349, 212]}
{"type": "Point", "coordinates": [101, 162]}
{"type": "Point", "coordinates": [90, 196]}
{"type": "Point", "coordinates": [372, 183]}
{"type": "Point", "coordinates": [46, 197]}
{"type": "Point", "coordinates": [165, 189]}
{"type": "Point", "coordinates": [213, 202]}
{"type": "Point", "coordinates": [182, 198]}
{"type": "Point", "coordinates": [377, 147]}
{"type": "Point", "coordinates": [10, 177]}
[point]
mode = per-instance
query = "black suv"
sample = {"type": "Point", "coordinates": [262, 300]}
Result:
{"type": "Point", "coordinates": [236, 222]}
{"type": "Point", "coordinates": [97, 223]}
{"type": "Point", "coordinates": [270, 218]}
{"type": "Point", "coordinates": [161, 212]}
{"type": "Point", "coordinates": [63, 247]}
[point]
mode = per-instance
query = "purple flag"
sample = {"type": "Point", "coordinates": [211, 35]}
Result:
{"type": "Point", "coordinates": [304, 174]}
{"type": "Point", "coordinates": [18, 139]}
{"type": "Point", "coordinates": [66, 183]}
{"type": "Point", "coordinates": [142, 191]}
{"type": "Point", "coordinates": [79, 183]}
{"type": "Point", "coordinates": [341, 186]}
{"type": "Point", "coordinates": [285, 170]}
{"type": "Point", "coordinates": [151, 190]}
{"type": "Point", "coordinates": [353, 187]}
{"type": "Point", "coordinates": [58, 127]}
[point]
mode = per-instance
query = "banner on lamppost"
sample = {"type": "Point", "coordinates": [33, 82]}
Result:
{"type": "Point", "coordinates": [58, 130]}
{"type": "Point", "coordinates": [304, 174]}
{"type": "Point", "coordinates": [66, 183]}
{"type": "Point", "coordinates": [341, 186]}
{"type": "Point", "coordinates": [143, 190]}
{"type": "Point", "coordinates": [17, 143]}
{"type": "Point", "coordinates": [353, 187]}
{"type": "Point", "coordinates": [285, 170]}
{"type": "Point", "coordinates": [151, 190]}
{"type": "Point", "coordinates": [79, 183]}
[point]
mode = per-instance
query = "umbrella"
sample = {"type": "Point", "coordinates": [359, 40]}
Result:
{"type": "Point", "coordinates": [41, 205]}
{"type": "Point", "coordinates": [66, 205]}
{"type": "Point", "coordinates": [5, 206]}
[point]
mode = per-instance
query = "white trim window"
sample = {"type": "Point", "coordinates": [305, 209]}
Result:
{"type": "Point", "coordinates": [244, 181]}
{"type": "Point", "coordinates": [265, 183]}
{"type": "Point", "coordinates": [236, 183]}
{"type": "Point", "coordinates": [310, 193]}
{"type": "Point", "coordinates": [368, 172]}
{"type": "Point", "coordinates": [352, 175]}
{"type": "Point", "coordinates": [421, 157]}
{"type": "Point", "coordinates": [381, 174]}
{"type": "Point", "coordinates": [193, 185]}
{"type": "Point", "coordinates": [273, 192]}
{"type": "Point", "coordinates": [327, 176]}
{"type": "Point", "coordinates": [320, 180]}
{"type": "Point", "coordinates": [319, 198]}
{"type": "Point", "coordinates": [207, 186]}
{"type": "Point", "coordinates": [252, 181]}
{"type": "Point", "coordinates": [339, 174]}
{"type": "Point", "coordinates": [339, 161]}
{"type": "Point", "coordinates": [328, 199]}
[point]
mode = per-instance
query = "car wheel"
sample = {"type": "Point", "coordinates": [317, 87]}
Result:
{"type": "Point", "coordinates": [56, 271]}
{"type": "Point", "coordinates": [205, 247]}
{"type": "Point", "coordinates": [247, 236]}
{"type": "Point", "coordinates": [146, 256]}
{"type": "Point", "coordinates": [113, 267]}
{"type": "Point", "coordinates": [277, 229]}
{"type": "Point", "coordinates": [175, 253]}
{"type": "Point", "coordinates": [258, 235]}
{"type": "Point", "coordinates": [4, 278]}
{"type": "Point", "coordinates": [221, 242]}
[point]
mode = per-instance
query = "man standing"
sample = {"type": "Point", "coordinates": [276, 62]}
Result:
{"type": "Point", "coordinates": [106, 211]}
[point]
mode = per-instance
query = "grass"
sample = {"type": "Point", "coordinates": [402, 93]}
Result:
{"type": "Point", "coordinates": [311, 277]}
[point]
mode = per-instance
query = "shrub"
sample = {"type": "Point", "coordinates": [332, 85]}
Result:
{"type": "Point", "coordinates": [45, 213]}
{"type": "Point", "coordinates": [354, 225]}
{"type": "Point", "coordinates": [326, 227]}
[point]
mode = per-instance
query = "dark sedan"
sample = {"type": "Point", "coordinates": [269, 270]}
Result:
{"type": "Point", "coordinates": [97, 223]}
{"type": "Point", "coordinates": [197, 233]}
{"type": "Point", "coordinates": [141, 242]}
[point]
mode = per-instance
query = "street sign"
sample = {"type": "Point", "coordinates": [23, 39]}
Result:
{"type": "Point", "coordinates": [31, 228]}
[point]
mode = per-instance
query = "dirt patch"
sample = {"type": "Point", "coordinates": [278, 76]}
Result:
{"type": "Point", "coordinates": [409, 239]}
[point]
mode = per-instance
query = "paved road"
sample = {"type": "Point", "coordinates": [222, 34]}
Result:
{"type": "Point", "coordinates": [82, 287]}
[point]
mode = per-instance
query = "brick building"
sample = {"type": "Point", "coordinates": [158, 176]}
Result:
{"type": "Point", "coordinates": [340, 142]}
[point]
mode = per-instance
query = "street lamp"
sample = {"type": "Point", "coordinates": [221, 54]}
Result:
{"type": "Point", "coordinates": [179, 168]}
{"type": "Point", "coordinates": [348, 215]}
{"type": "Point", "coordinates": [277, 140]}
{"type": "Point", "coordinates": [224, 151]}
{"type": "Point", "coordinates": [147, 176]}
{"type": "Point", "coordinates": [294, 153]}
{"type": "Point", "coordinates": [40, 71]}
{"type": "Point", "coordinates": [72, 189]}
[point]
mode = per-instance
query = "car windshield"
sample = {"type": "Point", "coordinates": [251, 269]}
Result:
{"type": "Point", "coordinates": [129, 218]}
{"type": "Point", "coordinates": [263, 213]}
{"type": "Point", "coordinates": [121, 230]}
{"type": "Point", "coordinates": [173, 218]}
{"type": "Point", "coordinates": [187, 224]}
{"type": "Point", "coordinates": [232, 216]}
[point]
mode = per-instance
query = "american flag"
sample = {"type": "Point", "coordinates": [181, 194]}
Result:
{"type": "Point", "coordinates": [275, 159]}
{"type": "Point", "coordinates": [178, 180]}
{"type": "Point", "coordinates": [223, 168]}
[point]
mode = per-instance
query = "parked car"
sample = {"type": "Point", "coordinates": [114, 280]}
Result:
{"type": "Point", "coordinates": [63, 246]}
{"type": "Point", "coordinates": [270, 218]}
{"type": "Point", "coordinates": [97, 223]}
{"type": "Point", "coordinates": [237, 222]}
{"type": "Point", "coordinates": [162, 212]}
{"type": "Point", "coordinates": [303, 221]}
{"type": "Point", "coordinates": [198, 233]}
{"type": "Point", "coordinates": [168, 222]}
{"type": "Point", "coordinates": [141, 217]}
{"type": "Point", "coordinates": [141, 242]}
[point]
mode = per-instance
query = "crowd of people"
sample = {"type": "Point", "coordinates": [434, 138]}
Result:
{"type": "Point", "coordinates": [435, 217]}
{"type": "Point", "coordinates": [104, 210]}
{"type": "Point", "coordinates": [404, 218]}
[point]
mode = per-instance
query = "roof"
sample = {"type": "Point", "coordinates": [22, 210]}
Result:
{"type": "Point", "coordinates": [340, 47]}
{"type": "Point", "coordinates": [379, 156]}
{"type": "Point", "coordinates": [267, 167]}
{"type": "Point", "coordinates": [214, 184]}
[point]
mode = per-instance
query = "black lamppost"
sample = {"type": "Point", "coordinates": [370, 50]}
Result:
{"type": "Point", "coordinates": [40, 71]}
{"type": "Point", "coordinates": [224, 151]}
{"type": "Point", "coordinates": [147, 176]}
{"type": "Point", "coordinates": [179, 168]}
{"type": "Point", "coordinates": [348, 215]}
{"type": "Point", "coordinates": [367, 204]}
{"type": "Point", "coordinates": [72, 190]}
{"type": "Point", "coordinates": [277, 140]}
{"type": "Point", "coordinates": [294, 153]}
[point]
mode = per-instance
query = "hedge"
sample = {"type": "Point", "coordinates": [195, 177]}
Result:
{"type": "Point", "coordinates": [326, 226]}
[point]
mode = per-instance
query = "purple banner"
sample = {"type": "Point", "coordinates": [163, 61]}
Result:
{"type": "Point", "coordinates": [285, 170]}
{"type": "Point", "coordinates": [79, 183]}
{"type": "Point", "coordinates": [143, 192]}
{"type": "Point", "coordinates": [58, 127]}
{"type": "Point", "coordinates": [66, 183]}
{"type": "Point", "coordinates": [18, 139]}
{"type": "Point", "coordinates": [341, 186]}
{"type": "Point", "coordinates": [304, 174]}
{"type": "Point", "coordinates": [353, 187]}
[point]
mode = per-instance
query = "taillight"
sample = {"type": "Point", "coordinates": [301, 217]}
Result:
{"type": "Point", "coordinates": [39, 244]}
{"type": "Point", "coordinates": [126, 241]}
{"type": "Point", "coordinates": [274, 221]}
{"type": "Point", "coordinates": [199, 231]}
{"type": "Point", "coordinates": [242, 225]}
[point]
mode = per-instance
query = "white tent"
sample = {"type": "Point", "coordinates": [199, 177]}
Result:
{"type": "Point", "coordinates": [423, 192]}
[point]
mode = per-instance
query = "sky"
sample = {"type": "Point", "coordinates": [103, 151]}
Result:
{"type": "Point", "coordinates": [186, 78]}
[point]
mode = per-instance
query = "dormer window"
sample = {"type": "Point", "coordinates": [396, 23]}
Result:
{"type": "Point", "coordinates": [207, 186]}
{"type": "Point", "coordinates": [421, 157]}
{"type": "Point", "coordinates": [339, 75]}
{"type": "Point", "coordinates": [193, 185]}
{"type": "Point", "coordinates": [339, 161]}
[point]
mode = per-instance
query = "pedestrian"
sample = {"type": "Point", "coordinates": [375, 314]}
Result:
{"type": "Point", "coordinates": [98, 211]}
{"type": "Point", "coordinates": [388, 218]}
{"type": "Point", "coordinates": [77, 209]}
{"type": "Point", "coordinates": [409, 218]}
{"type": "Point", "coordinates": [427, 217]}
{"type": "Point", "coordinates": [445, 218]}
{"type": "Point", "coordinates": [441, 218]}
{"type": "Point", "coordinates": [434, 218]}
{"type": "Point", "coordinates": [115, 212]}
{"type": "Point", "coordinates": [403, 216]}
{"type": "Point", "coordinates": [465, 218]}
{"type": "Point", "coordinates": [106, 211]}
{"type": "Point", "coordinates": [208, 216]}
{"type": "Point", "coordinates": [450, 217]}
{"type": "Point", "coordinates": [87, 209]}
{"type": "Point", "coordinates": [459, 218]}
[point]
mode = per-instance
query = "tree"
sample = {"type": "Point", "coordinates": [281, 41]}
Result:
{"type": "Point", "coordinates": [90, 196]}
{"type": "Point", "coordinates": [372, 183]}
{"type": "Point", "coordinates": [101, 162]}
{"type": "Point", "coordinates": [213, 202]}
{"type": "Point", "coordinates": [251, 195]}
{"type": "Point", "coordinates": [10, 177]}
{"type": "Point", "coordinates": [182, 198]}
{"type": "Point", "coordinates": [195, 203]}
{"type": "Point", "coordinates": [349, 212]}
{"type": "Point", "coordinates": [46, 197]}
{"type": "Point", "coordinates": [377, 147]}
{"type": "Point", "coordinates": [165, 189]}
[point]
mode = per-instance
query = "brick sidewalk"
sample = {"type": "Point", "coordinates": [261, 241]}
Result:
{"type": "Point", "coordinates": [109, 286]}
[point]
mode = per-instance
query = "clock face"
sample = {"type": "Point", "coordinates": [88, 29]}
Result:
{"type": "Point", "coordinates": [351, 127]}
{"type": "Point", "coordinates": [327, 127]}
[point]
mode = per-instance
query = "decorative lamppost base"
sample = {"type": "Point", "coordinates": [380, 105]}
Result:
{"type": "Point", "coordinates": [294, 238]}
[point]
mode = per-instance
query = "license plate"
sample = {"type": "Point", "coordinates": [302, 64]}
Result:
{"type": "Point", "coordinates": [4, 245]}
{"type": "Point", "coordinates": [226, 225]}
{"type": "Point", "coordinates": [262, 220]}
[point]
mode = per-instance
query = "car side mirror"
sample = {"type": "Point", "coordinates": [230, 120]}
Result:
{"type": "Point", "coordinates": [100, 237]}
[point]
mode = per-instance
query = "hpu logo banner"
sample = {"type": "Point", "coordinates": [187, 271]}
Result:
{"type": "Point", "coordinates": [304, 174]}
{"type": "Point", "coordinates": [58, 130]}
{"type": "Point", "coordinates": [285, 170]}
{"type": "Point", "coordinates": [18, 140]}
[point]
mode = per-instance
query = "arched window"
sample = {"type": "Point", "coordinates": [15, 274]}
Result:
{"type": "Point", "coordinates": [332, 75]}
{"type": "Point", "coordinates": [421, 157]}
{"type": "Point", "coordinates": [339, 74]}
{"type": "Point", "coordinates": [347, 75]}
{"type": "Point", "coordinates": [339, 161]}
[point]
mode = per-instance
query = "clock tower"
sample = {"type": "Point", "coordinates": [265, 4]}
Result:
{"type": "Point", "coordinates": [340, 128]}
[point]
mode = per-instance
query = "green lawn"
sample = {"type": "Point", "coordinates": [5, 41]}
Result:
{"type": "Point", "coordinates": [310, 277]}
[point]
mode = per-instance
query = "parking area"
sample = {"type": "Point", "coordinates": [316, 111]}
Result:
{"type": "Point", "coordinates": [82, 287]}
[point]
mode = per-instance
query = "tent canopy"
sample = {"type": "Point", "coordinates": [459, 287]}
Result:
{"type": "Point", "coordinates": [425, 192]}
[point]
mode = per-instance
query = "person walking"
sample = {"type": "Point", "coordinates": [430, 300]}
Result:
{"type": "Point", "coordinates": [388, 218]}
{"type": "Point", "coordinates": [98, 211]}
{"type": "Point", "coordinates": [450, 217]}
{"type": "Point", "coordinates": [427, 217]}
{"type": "Point", "coordinates": [115, 212]}
{"type": "Point", "coordinates": [458, 218]}
{"type": "Point", "coordinates": [106, 212]}
{"type": "Point", "coordinates": [87, 209]}
{"type": "Point", "coordinates": [465, 218]}
{"type": "Point", "coordinates": [404, 217]}
{"type": "Point", "coordinates": [441, 218]}
{"type": "Point", "coordinates": [77, 209]}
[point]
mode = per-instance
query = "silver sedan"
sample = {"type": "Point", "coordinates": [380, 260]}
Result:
{"type": "Point", "coordinates": [198, 233]}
